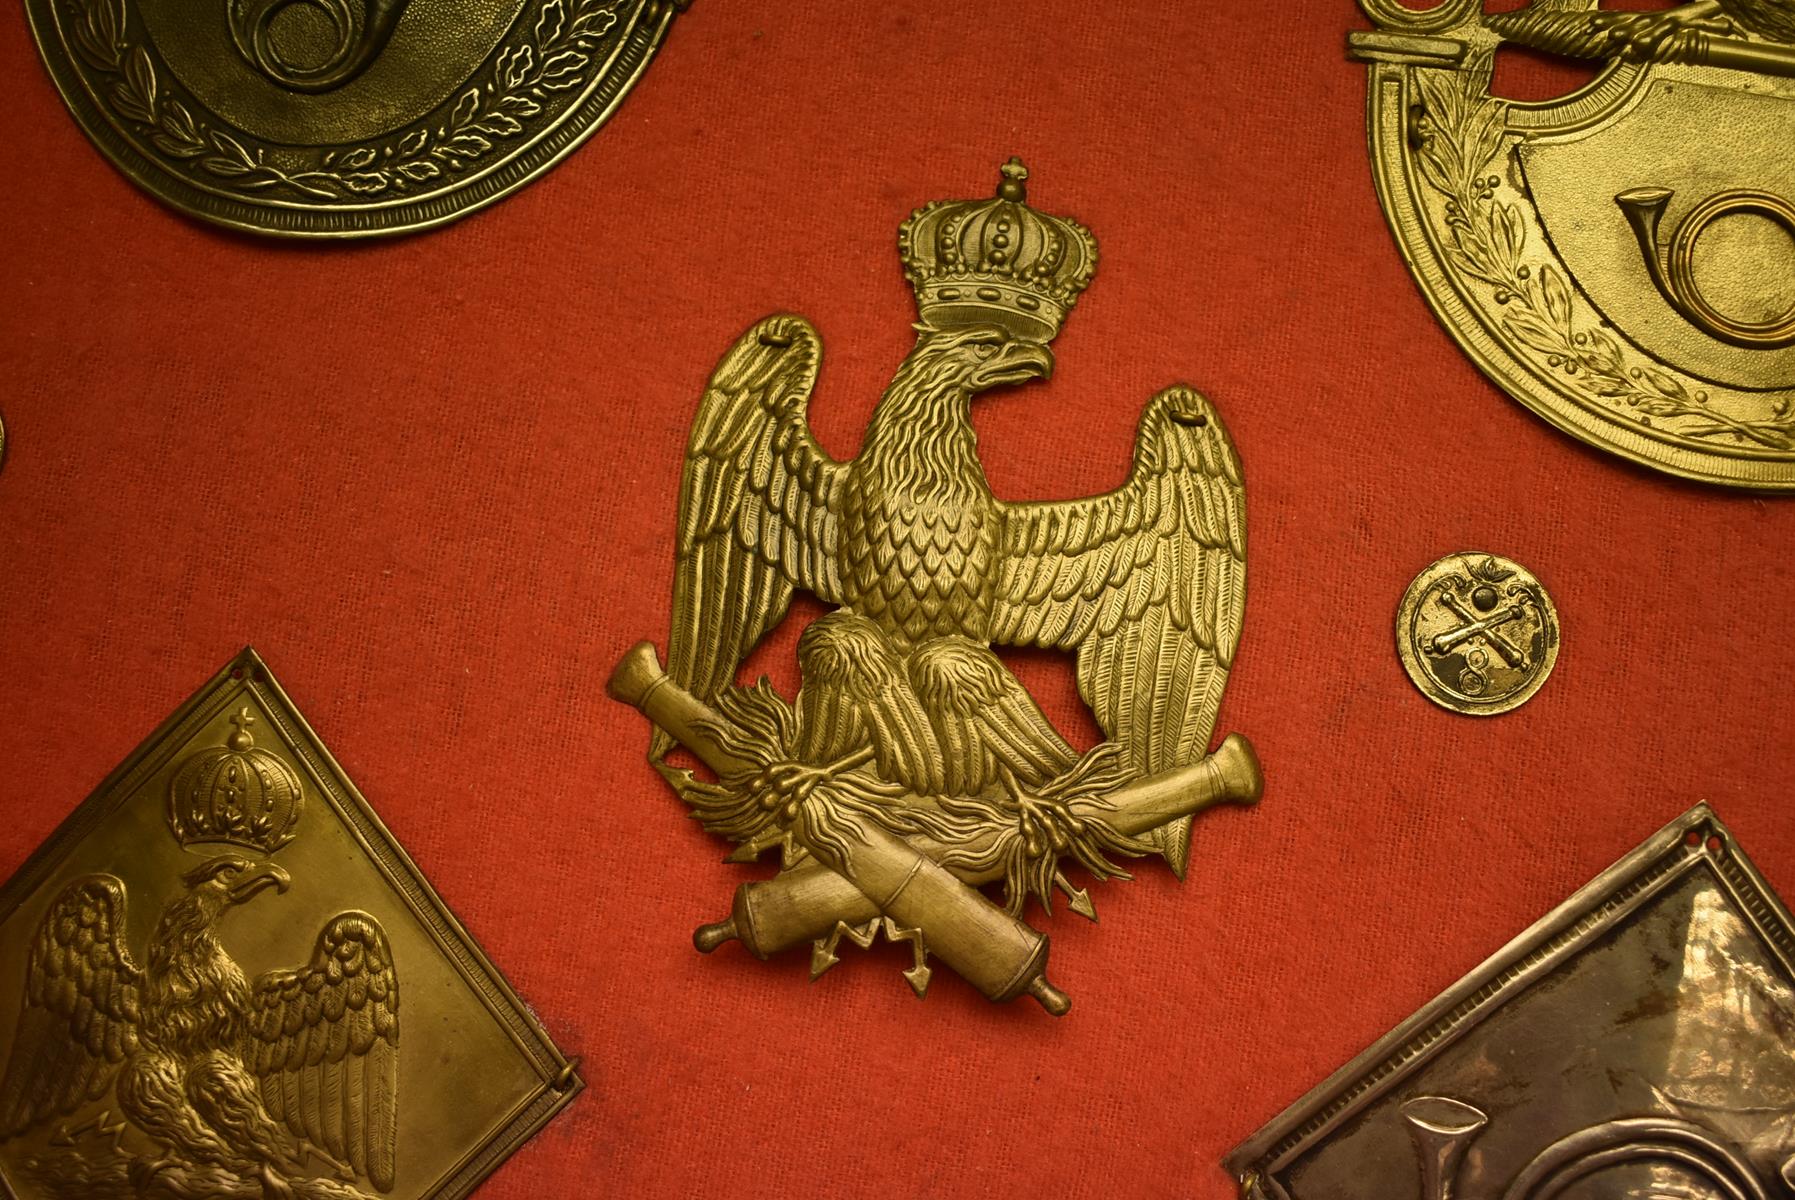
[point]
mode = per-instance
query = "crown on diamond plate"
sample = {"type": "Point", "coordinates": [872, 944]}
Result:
{"type": "Point", "coordinates": [237, 793]}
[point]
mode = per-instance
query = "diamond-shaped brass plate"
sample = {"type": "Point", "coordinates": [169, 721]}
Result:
{"type": "Point", "coordinates": [222, 977]}
{"type": "Point", "coordinates": [1638, 1042]}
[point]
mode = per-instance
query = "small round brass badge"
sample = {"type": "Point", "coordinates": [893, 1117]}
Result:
{"type": "Point", "coordinates": [1477, 633]}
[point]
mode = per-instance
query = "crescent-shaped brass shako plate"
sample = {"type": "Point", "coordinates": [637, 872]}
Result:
{"type": "Point", "coordinates": [342, 118]}
{"type": "Point", "coordinates": [1605, 257]}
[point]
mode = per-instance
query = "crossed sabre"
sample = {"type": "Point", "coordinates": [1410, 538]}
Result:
{"type": "Point", "coordinates": [897, 878]}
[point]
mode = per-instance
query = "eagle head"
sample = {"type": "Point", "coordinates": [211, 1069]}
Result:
{"type": "Point", "coordinates": [230, 879]}
{"type": "Point", "coordinates": [977, 357]}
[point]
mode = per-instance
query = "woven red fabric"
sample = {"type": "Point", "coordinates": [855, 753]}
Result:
{"type": "Point", "coordinates": [433, 481]}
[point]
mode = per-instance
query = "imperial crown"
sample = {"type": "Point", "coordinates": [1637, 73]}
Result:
{"type": "Point", "coordinates": [997, 261]}
{"type": "Point", "coordinates": [237, 793]}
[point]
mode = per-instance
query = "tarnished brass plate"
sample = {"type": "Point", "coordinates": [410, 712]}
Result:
{"type": "Point", "coordinates": [1477, 633]}
{"type": "Point", "coordinates": [222, 978]}
{"type": "Point", "coordinates": [339, 118]}
{"type": "Point", "coordinates": [1635, 1043]}
{"type": "Point", "coordinates": [913, 767]}
{"type": "Point", "coordinates": [1603, 257]}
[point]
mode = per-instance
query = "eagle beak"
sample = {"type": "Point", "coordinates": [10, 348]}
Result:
{"type": "Point", "coordinates": [1016, 362]}
{"type": "Point", "coordinates": [264, 877]}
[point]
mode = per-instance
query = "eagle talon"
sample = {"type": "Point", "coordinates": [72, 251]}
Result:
{"type": "Point", "coordinates": [142, 1172]}
{"type": "Point", "coordinates": [273, 1186]}
{"type": "Point", "coordinates": [785, 786]}
{"type": "Point", "coordinates": [1044, 821]}
{"type": "Point", "coordinates": [1648, 36]}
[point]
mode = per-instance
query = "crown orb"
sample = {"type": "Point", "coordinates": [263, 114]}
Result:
{"type": "Point", "coordinates": [242, 739]}
{"type": "Point", "coordinates": [1013, 185]}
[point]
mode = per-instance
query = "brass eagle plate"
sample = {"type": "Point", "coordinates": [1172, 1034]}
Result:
{"type": "Point", "coordinates": [340, 118]}
{"type": "Point", "coordinates": [222, 979]}
{"type": "Point", "coordinates": [913, 768]}
{"type": "Point", "coordinates": [1621, 260]}
{"type": "Point", "coordinates": [1634, 1044]}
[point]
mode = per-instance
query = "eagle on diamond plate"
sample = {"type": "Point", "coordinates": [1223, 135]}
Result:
{"type": "Point", "coordinates": [927, 569]}
{"type": "Point", "coordinates": [243, 1086]}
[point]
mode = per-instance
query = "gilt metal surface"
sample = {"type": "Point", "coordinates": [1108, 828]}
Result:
{"type": "Point", "coordinates": [1632, 1045]}
{"type": "Point", "coordinates": [1477, 633]}
{"type": "Point", "coordinates": [912, 766]}
{"type": "Point", "coordinates": [1621, 260]}
{"type": "Point", "coordinates": [221, 979]}
{"type": "Point", "coordinates": [340, 118]}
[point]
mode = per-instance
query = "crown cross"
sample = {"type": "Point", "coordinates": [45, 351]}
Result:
{"type": "Point", "coordinates": [1015, 181]}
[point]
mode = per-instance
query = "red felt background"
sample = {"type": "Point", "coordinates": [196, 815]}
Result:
{"type": "Point", "coordinates": [433, 481]}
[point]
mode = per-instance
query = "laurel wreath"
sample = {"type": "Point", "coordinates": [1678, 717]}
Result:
{"type": "Point", "coordinates": [1462, 133]}
{"type": "Point", "coordinates": [550, 54]}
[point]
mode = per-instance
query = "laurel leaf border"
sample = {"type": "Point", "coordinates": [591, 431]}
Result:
{"type": "Point", "coordinates": [1462, 134]}
{"type": "Point", "coordinates": [553, 51]}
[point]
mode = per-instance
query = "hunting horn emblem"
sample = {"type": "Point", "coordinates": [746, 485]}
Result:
{"type": "Point", "coordinates": [1602, 259]}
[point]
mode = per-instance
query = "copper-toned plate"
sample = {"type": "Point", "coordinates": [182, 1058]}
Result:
{"type": "Point", "coordinates": [1635, 1043]}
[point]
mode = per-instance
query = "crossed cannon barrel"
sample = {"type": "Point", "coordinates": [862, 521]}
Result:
{"type": "Point", "coordinates": [886, 874]}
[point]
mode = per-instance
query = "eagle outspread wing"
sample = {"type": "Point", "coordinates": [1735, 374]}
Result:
{"type": "Point", "coordinates": [323, 1041]}
{"type": "Point", "coordinates": [757, 507]}
{"type": "Point", "coordinates": [1148, 583]}
{"type": "Point", "coordinates": [81, 1003]}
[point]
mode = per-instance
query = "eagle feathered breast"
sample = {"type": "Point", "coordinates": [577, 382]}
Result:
{"type": "Point", "coordinates": [1145, 584]}
{"type": "Point", "coordinates": [319, 1041]}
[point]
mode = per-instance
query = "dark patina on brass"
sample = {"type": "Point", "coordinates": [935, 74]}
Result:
{"type": "Point", "coordinates": [339, 118]}
{"type": "Point", "coordinates": [221, 977]}
{"type": "Point", "coordinates": [913, 768]}
{"type": "Point", "coordinates": [1635, 1043]}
